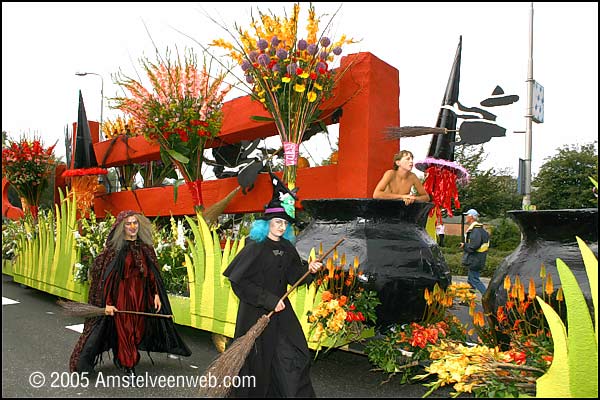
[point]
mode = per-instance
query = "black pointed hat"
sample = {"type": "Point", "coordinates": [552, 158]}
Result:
{"type": "Point", "coordinates": [282, 204]}
{"type": "Point", "coordinates": [83, 157]}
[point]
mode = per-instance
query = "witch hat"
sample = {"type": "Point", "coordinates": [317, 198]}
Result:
{"type": "Point", "coordinates": [83, 158]}
{"type": "Point", "coordinates": [282, 204]}
{"type": "Point", "coordinates": [84, 150]}
{"type": "Point", "coordinates": [442, 145]}
{"type": "Point", "coordinates": [498, 98]}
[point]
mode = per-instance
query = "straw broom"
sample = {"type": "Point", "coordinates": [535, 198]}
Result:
{"type": "Point", "coordinates": [231, 360]}
{"type": "Point", "coordinates": [76, 309]}
{"type": "Point", "coordinates": [412, 131]}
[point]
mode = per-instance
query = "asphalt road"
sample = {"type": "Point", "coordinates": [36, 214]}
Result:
{"type": "Point", "coordinates": [37, 343]}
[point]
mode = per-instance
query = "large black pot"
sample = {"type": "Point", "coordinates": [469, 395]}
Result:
{"type": "Point", "coordinates": [399, 259]}
{"type": "Point", "coordinates": [546, 236]}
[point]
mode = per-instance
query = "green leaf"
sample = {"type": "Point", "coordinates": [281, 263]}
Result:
{"type": "Point", "coordinates": [177, 156]}
{"type": "Point", "coordinates": [259, 118]}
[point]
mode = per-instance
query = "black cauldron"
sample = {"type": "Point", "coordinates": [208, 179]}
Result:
{"type": "Point", "coordinates": [399, 259]}
{"type": "Point", "coordinates": [546, 236]}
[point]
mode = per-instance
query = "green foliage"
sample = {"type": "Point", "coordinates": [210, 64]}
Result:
{"type": "Point", "coordinates": [453, 254]}
{"type": "Point", "coordinates": [477, 194]}
{"type": "Point", "coordinates": [560, 180]}
{"type": "Point", "coordinates": [505, 235]}
{"type": "Point", "coordinates": [12, 233]}
{"type": "Point", "coordinates": [89, 241]}
{"type": "Point", "coordinates": [171, 246]}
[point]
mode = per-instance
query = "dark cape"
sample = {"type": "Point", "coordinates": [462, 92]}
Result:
{"type": "Point", "coordinates": [280, 358]}
{"type": "Point", "coordinates": [100, 335]}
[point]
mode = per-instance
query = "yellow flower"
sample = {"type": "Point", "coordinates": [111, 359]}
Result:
{"type": "Point", "coordinates": [317, 86]}
{"type": "Point", "coordinates": [286, 79]}
{"type": "Point", "coordinates": [312, 96]}
{"type": "Point", "coordinates": [304, 75]}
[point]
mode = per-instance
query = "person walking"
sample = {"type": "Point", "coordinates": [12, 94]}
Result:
{"type": "Point", "coordinates": [475, 248]}
{"type": "Point", "coordinates": [440, 231]}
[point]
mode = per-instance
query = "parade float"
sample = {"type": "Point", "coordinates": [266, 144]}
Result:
{"type": "Point", "coordinates": [386, 248]}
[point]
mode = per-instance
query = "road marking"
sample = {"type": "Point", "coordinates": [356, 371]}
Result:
{"type": "Point", "coordinates": [77, 328]}
{"type": "Point", "coordinates": [6, 301]}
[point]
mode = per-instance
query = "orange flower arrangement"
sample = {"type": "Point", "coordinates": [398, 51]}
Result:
{"type": "Point", "coordinates": [345, 308]}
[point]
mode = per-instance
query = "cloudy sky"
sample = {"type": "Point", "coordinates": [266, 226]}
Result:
{"type": "Point", "coordinates": [44, 44]}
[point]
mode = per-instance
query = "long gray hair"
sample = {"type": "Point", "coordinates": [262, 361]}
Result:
{"type": "Point", "coordinates": [144, 232]}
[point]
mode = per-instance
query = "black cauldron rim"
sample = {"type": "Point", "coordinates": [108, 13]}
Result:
{"type": "Point", "coordinates": [348, 209]}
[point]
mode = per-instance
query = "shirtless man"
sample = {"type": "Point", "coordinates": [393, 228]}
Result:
{"type": "Point", "coordinates": [397, 183]}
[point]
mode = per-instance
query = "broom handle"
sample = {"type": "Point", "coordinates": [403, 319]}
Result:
{"type": "Point", "coordinates": [306, 274]}
{"type": "Point", "coordinates": [145, 313]}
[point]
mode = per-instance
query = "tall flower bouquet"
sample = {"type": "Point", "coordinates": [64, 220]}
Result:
{"type": "Point", "coordinates": [345, 309]}
{"type": "Point", "coordinates": [290, 74]}
{"type": "Point", "coordinates": [27, 165]}
{"type": "Point", "coordinates": [180, 111]}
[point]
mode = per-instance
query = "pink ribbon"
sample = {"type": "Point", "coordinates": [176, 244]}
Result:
{"type": "Point", "coordinates": [291, 151]}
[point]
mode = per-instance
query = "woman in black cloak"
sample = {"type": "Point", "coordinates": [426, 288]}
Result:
{"type": "Point", "coordinates": [259, 276]}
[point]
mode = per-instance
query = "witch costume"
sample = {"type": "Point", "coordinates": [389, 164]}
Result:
{"type": "Point", "coordinates": [259, 276]}
{"type": "Point", "coordinates": [127, 279]}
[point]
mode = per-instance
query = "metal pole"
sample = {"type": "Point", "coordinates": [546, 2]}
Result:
{"type": "Point", "coordinates": [529, 118]}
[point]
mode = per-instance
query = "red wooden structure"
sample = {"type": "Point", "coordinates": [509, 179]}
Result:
{"type": "Point", "coordinates": [369, 95]}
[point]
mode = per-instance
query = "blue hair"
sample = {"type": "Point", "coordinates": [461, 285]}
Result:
{"type": "Point", "coordinates": [260, 230]}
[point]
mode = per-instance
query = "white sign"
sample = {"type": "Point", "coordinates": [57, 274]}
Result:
{"type": "Point", "coordinates": [538, 103]}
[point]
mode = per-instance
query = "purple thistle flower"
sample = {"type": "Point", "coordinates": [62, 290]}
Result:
{"type": "Point", "coordinates": [263, 60]}
{"type": "Point", "coordinates": [337, 51]}
{"type": "Point", "coordinates": [302, 44]}
{"type": "Point", "coordinates": [312, 49]}
{"type": "Point", "coordinates": [262, 44]}
{"type": "Point", "coordinates": [275, 68]}
{"type": "Point", "coordinates": [291, 69]}
{"type": "Point", "coordinates": [246, 65]}
{"type": "Point", "coordinates": [321, 66]}
{"type": "Point", "coordinates": [325, 41]}
{"type": "Point", "coordinates": [252, 55]}
{"type": "Point", "coordinates": [249, 79]}
{"type": "Point", "coordinates": [275, 41]}
{"type": "Point", "coordinates": [282, 54]}
{"type": "Point", "coordinates": [324, 54]}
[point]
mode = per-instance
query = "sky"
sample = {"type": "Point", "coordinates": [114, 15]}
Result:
{"type": "Point", "coordinates": [45, 44]}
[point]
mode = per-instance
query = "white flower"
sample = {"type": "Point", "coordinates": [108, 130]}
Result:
{"type": "Point", "coordinates": [166, 268]}
{"type": "Point", "coordinates": [76, 234]}
{"type": "Point", "coordinates": [180, 235]}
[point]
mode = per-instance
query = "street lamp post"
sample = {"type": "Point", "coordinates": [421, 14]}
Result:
{"type": "Point", "coordinates": [101, 98]}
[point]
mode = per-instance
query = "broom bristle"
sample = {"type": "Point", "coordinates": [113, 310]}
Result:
{"type": "Point", "coordinates": [76, 309]}
{"type": "Point", "coordinates": [231, 360]}
{"type": "Point", "coordinates": [212, 213]}
{"type": "Point", "coordinates": [412, 131]}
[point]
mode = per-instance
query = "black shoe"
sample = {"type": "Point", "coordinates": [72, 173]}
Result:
{"type": "Point", "coordinates": [130, 371]}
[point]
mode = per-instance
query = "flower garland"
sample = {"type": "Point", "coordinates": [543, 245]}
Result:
{"type": "Point", "coordinates": [441, 177]}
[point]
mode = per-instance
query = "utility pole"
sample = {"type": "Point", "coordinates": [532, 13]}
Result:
{"type": "Point", "coordinates": [529, 119]}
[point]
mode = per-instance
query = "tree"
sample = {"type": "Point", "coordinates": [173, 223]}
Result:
{"type": "Point", "coordinates": [491, 192]}
{"type": "Point", "coordinates": [563, 180]}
